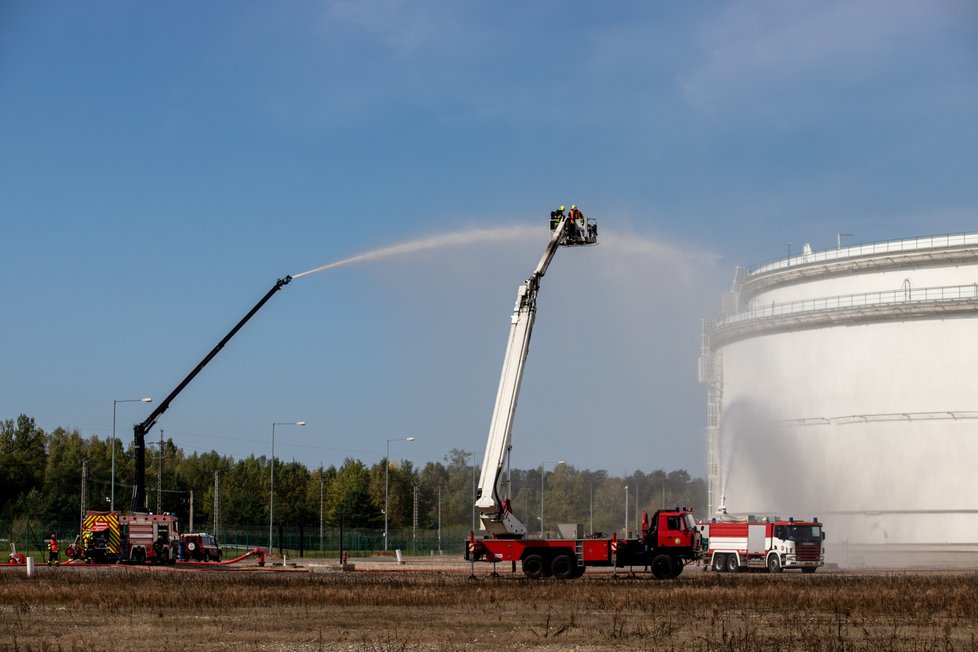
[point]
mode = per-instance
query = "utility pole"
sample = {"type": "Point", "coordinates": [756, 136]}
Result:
{"type": "Point", "coordinates": [625, 530]}
{"type": "Point", "coordinates": [414, 527]}
{"type": "Point", "coordinates": [159, 478]}
{"type": "Point", "coordinates": [84, 478]}
{"type": "Point", "coordinates": [191, 510]}
{"type": "Point", "coordinates": [217, 501]}
{"type": "Point", "coordinates": [322, 547]}
{"type": "Point", "coordinates": [637, 521]}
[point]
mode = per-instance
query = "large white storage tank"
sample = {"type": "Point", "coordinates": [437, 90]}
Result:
{"type": "Point", "coordinates": [843, 384]}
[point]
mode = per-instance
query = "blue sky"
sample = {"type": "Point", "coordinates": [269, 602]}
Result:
{"type": "Point", "coordinates": [162, 164]}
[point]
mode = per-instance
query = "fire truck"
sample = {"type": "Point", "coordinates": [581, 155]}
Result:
{"type": "Point", "coordinates": [108, 537]}
{"type": "Point", "coordinates": [739, 543]}
{"type": "Point", "coordinates": [667, 543]}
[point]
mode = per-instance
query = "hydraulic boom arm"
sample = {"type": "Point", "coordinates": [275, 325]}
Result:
{"type": "Point", "coordinates": [497, 519]}
{"type": "Point", "coordinates": [140, 429]}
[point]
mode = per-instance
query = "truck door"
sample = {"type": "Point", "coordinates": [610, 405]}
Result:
{"type": "Point", "coordinates": [756, 544]}
{"type": "Point", "coordinates": [672, 531]}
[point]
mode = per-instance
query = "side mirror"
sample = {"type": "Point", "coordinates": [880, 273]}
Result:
{"type": "Point", "coordinates": [823, 536]}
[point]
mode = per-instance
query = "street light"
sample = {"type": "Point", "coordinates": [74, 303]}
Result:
{"type": "Point", "coordinates": [387, 469]}
{"type": "Point", "coordinates": [543, 474]}
{"type": "Point", "coordinates": [114, 402]}
{"type": "Point", "coordinates": [271, 490]}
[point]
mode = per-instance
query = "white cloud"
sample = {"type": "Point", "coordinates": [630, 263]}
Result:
{"type": "Point", "coordinates": [768, 57]}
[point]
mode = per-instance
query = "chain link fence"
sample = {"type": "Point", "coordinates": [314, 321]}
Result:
{"type": "Point", "coordinates": [30, 538]}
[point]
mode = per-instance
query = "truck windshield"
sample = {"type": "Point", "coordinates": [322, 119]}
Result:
{"type": "Point", "coordinates": [800, 533]}
{"type": "Point", "coordinates": [690, 522]}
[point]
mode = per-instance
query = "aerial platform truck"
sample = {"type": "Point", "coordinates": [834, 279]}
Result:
{"type": "Point", "coordinates": [666, 544]}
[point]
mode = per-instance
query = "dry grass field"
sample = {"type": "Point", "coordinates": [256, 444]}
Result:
{"type": "Point", "coordinates": [178, 609]}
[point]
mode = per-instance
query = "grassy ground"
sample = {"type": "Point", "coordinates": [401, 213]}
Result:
{"type": "Point", "coordinates": [166, 609]}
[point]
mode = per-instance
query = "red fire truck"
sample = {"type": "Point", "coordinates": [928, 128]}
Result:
{"type": "Point", "coordinates": [666, 545]}
{"type": "Point", "coordinates": [736, 543]}
{"type": "Point", "coordinates": [138, 538]}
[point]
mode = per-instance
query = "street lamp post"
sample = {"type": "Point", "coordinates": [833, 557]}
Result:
{"type": "Point", "coordinates": [543, 474]}
{"type": "Point", "coordinates": [271, 489]}
{"type": "Point", "coordinates": [387, 468]}
{"type": "Point", "coordinates": [114, 403]}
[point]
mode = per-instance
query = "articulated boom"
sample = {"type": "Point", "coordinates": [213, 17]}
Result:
{"type": "Point", "coordinates": [497, 519]}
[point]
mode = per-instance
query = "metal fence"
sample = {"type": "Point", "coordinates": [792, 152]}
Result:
{"type": "Point", "coordinates": [869, 248]}
{"type": "Point", "coordinates": [866, 299]}
{"type": "Point", "coordinates": [30, 538]}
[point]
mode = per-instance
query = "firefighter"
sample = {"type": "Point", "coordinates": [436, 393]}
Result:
{"type": "Point", "coordinates": [53, 556]}
{"type": "Point", "coordinates": [577, 220]}
{"type": "Point", "coordinates": [555, 216]}
{"type": "Point", "coordinates": [87, 550]}
{"type": "Point", "coordinates": [575, 215]}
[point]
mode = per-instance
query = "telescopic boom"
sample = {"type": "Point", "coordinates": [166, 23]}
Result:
{"type": "Point", "coordinates": [497, 519]}
{"type": "Point", "coordinates": [140, 429]}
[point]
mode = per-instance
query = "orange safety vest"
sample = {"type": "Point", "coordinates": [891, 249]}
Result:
{"type": "Point", "coordinates": [53, 545]}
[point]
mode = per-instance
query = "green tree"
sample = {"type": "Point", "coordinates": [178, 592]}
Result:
{"type": "Point", "coordinates": [23, 458]}
{"type": "Point", "coordinates": [350, 498]}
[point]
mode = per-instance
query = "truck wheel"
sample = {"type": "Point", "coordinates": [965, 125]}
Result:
{"type": "Point", "coordinates": [662, 567]}
{"type": "Point", "coordinates": [678, 565]}
{"type": "Point", "coordinates": [562, 567]}
{"type": "Point", "coordinates": [533, 566]}
{"type": "Point", "coordinates": [732, 564]}
{"type": "Point", "coordinates": [809, 570]}
{"type": "Point", "coordinates": [773, 564]}
{"type": "Point", "coordinates": [719, 562]}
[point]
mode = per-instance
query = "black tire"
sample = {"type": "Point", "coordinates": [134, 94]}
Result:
{"type": "Point", "coordinates": [207, 556]}
{"type": "Point", "coordinates": [733, 565]}
{"type": "Point", "coordinates": [562, 567]}
{"type": "Point", "coordinates": [678, 565]}
{"type": "Point", "coordinates": [139, 556]}
{"type": "Point", "coordinates": [662, 567]}
{"type": "Point", "coordinates": [774, 564]}
{"type": "Point", "coordinates": [533, 566]}
{"type": "Point", "coordinates": [809, 570]}
{"type": "Point", "coordinates": [719, 564]}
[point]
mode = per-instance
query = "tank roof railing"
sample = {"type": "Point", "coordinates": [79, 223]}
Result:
{"type": "Point", "coordinates": [848, 301]}
{"type": "Point", "coordinates": [867, 249]}
{"type": "Point", "coordinates": [943, 415]}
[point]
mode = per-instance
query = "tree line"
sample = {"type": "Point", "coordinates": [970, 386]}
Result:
{"type": "Point", "coordinates": [41, 479]}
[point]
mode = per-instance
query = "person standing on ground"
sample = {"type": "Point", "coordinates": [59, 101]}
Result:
{"type": "Point", "coordinates": [53, 557]}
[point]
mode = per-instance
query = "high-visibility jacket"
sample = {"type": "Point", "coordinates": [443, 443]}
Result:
{"type": "Point", "coordinates": [53, 545]}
